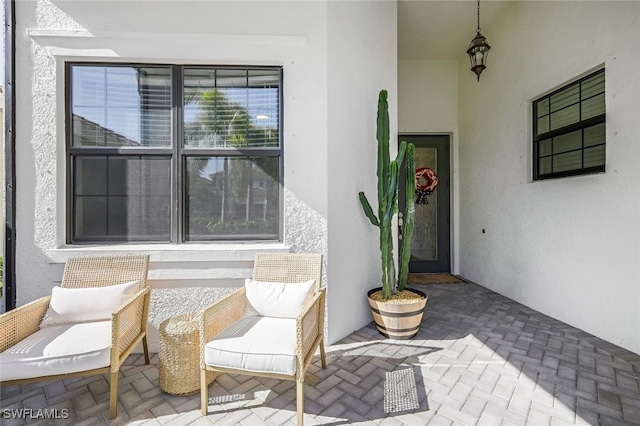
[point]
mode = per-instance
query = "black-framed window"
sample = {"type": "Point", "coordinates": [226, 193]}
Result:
{"type": "Point", "coordinates": [569, 129]}
{"type": "Point", "coordinates": [173, 153]}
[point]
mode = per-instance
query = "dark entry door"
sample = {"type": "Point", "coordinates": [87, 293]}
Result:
{"type": "Point", "coordinates": [430, 244]}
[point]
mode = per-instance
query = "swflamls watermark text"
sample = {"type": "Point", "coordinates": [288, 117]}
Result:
{"type": "Point", "coordinates": [30, 413]}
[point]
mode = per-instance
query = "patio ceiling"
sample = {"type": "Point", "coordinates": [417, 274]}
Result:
{"type": "Point", "coordinates": [441, 30]}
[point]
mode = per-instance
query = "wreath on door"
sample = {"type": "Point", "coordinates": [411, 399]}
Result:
{"type": "Point", "coordinates": [426, 183]}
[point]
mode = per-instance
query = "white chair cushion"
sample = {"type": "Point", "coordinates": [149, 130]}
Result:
{"type": "Point", "coordinates": [280, 300]}
{"type": "Point", "coordinates": [58, 349]}
{"type": "Point", "coordinates": [258, 344]}
{"type": "Point", "coordinates": [76, 305]}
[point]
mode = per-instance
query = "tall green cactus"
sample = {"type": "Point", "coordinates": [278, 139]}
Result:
{"type": "Point", "coordinates": [388, 187]}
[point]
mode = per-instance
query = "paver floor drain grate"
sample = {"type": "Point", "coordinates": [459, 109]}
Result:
{"type": "Point", "coordinates": [400, 393]}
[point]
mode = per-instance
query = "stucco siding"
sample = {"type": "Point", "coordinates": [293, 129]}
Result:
{"type": "Point", "coordinates": [49, 33]}
{"type": "Point", "coordinates": [317, 127]}
{"type": "Point", "coordinates": [362, 51]}
{"type": "Point", "coordinates": [567, 247]}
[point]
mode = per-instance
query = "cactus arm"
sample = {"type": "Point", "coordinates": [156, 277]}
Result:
{"type": "Point", "coordinates": [386, 199]}
{"type": "Point", "coordinates": [409, 219]}
{"type": "Point", "coordinates": [392, 185]}
{"type": "Point", "coordinates": [401, 152]}
{"type": "Point", "coordinates": [399, 159]}
{"type": "Point", "coordinates": [386, 255]}
{"type": "Point", "coordinates": [382, 135]}
{"type": "Point", "coordinates": [386, 235]}
{"type": "Point", "coordinates": [368, 210]}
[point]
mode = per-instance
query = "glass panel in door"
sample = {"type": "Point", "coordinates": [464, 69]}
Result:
{"type": "Point", "coordinates": [424, 241]}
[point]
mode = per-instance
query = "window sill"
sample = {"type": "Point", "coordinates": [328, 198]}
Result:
{"type": "Point", "coordinates": [171, 252]}
{"type": "Point", "coordinates": [570, 177]}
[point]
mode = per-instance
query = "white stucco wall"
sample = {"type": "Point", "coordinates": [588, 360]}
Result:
{"type": "Point", "coordinates": [50, 33]}
{"type": "Point", "coordinates": [428, 104]}
{"type": "Point", "coordinates": [361, 61]}
{"type": "Point", "coordinates": [566, 247]}
{"type": "Point", "coordinates": [427, 96]}
{"type": "Point", "coordinates": [329, 125]}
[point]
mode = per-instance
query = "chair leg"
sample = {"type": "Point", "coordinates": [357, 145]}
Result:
{"type": "Point", "coordinates": [204, 392]}
{"type": "Point", "coordinates": [323, 356]}
{"type": "Point", "coordinates": [300, 401]}
{"type": "Point", "coordinates": [145, 347]}
{"type": "Point", "coordinates": [113, 396]}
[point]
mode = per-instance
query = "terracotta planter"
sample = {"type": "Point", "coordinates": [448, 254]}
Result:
{"type": "Point", "coordinates": [398, 320]}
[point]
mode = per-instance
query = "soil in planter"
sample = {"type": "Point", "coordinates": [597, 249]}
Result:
{"type": "Point", "coordinates": [403, 297]}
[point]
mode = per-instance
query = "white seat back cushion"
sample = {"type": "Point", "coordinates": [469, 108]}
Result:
{"type": "Point", "coordinates": [76, 305]}
{"type": "Point", "coordinates": [279, 300]}
{"type": "Point", "coordinates": [258, 344]}
{"type": "Point", "coordinates": [58, 349]}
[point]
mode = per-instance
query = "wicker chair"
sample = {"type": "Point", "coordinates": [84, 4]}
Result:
{"type": "Point", "coordinates": [226, 319]}
{"type": "Point", "coordinates": [128, 323]}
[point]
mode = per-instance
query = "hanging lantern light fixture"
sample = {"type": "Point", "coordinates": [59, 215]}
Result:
{"type": "Point", "coordinates": [478, 50]}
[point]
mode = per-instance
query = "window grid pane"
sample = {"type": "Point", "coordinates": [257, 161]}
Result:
{"type": "Point", "coordinates": [567, 161]}
{"type": "Point", "coordinates": [542, 107]}
{"type": "Point", "coordinates": [131, 202]}
{"type": "Point", "coordinates": [231, 108]}
{"type": "Point", "coordinates": [567, 142]}
{"type": "Point", "coordinates": [564, 117]}
{"type": "Point", "coordinates": [232, 198]}
{"type": "Point", "coordinates": [565, 98]}
{"type": "Point", "coordinates": [543, 124]}
{"type": "Point", "coordinates": [593, 107]}
{"type": "Point", "coordinates": [592, 86]}
{"type": "Point", "coordinates": [594, 135]}
{"type": "Point", "coordinates": [121, 106]}
{"type": "Point", "coordinates": [544, 148]}
{"type": "Point", "coordinates": [594, 156]}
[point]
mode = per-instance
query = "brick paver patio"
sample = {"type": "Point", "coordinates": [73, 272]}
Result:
{"type": "Point", "coordinates": [480, 359]}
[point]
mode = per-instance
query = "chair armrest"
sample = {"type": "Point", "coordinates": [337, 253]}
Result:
{"type": "Point", "coordinates": [220, 315]}
{"type": "Point", "coordinates": [127, 323]}
{"type": "Point", "coordinates": [309, 329]}
{"type": "Point", "coordinates": [21, 322]}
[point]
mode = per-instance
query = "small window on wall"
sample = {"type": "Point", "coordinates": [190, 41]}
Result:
{"type": "Point", "coordinates": [569, 130]}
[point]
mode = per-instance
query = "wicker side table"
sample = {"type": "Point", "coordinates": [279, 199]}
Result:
{"type": "Point", "coordinates": [180, 355]}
